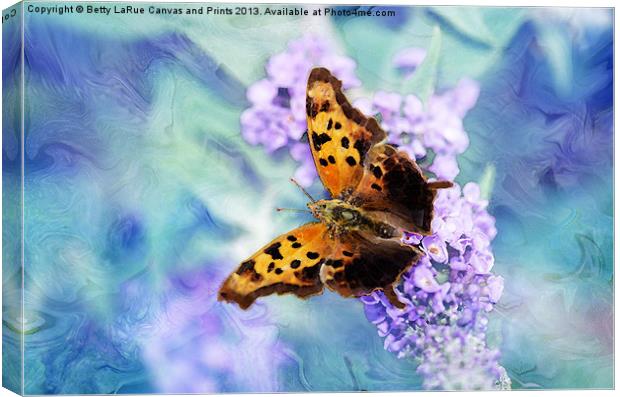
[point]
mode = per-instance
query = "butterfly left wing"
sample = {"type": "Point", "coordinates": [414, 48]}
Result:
{"type": "Point", "coordinates": [361, 264]}
{"type": "Point", "coordinates": [289, 264]}
{"type": "Point", "coordinates": [339, 135]}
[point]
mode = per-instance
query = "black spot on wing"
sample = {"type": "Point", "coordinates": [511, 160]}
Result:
{"type": "Point", "coordinates": [347, 253]}
{"type": "Point", "coordinates": [344, 142]}
{"type": "Point", "coordinates": [351, 161]}
{"type": "Point", "coordinates": [247, 266]}
{"type": "Point", "coordinates": [296, 244]}
{"type": "Point", "coordinates": [325, 107]}
{"type": "Point", "coordinates": [295, 264]}
{"type": "Point", "coordinates": [362, 148]}
{"type": "Point", "coordinates": [329, 124]}
{"type": "Point", "coordinates": [312, 109]}
{"type": "Point", "coordinates": [377, 172]}
{"type": "Point", "coordinates": [334, 263]}
{"type": "Point", "coordinates": [309, 273]}
{"type": "Point", "coordinates": [312, 255]}
{"type": "Point", "coordinates": [319, 139]}
{"type": "Point", "coordinates": [376, 187]}
{"type": "Point", "coordinates": [337, 125]}
{"type": "Point", "coordinates": [274, 251]}
{"type": "Point", "coordinates": [291, 238]}
{"type": "Point", "coordinates": [323, 162]}
{"type": "Point", "coordinates": [331, 159]}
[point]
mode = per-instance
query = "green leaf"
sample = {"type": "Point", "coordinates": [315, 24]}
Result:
{"type": "Point", "coordinates": [422, 84]}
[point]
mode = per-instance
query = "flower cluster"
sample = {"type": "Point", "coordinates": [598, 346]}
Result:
{"type": "Point", "coordinates": [436, 127]}
{"type": "Point", "coordinates": [277, 117]}
{"type": "Point", "coordinates": [459, 360]}
{"type": "Point", "coordinates": [449, 292]}
{"type": "Point", "coordinates": [189, 340]}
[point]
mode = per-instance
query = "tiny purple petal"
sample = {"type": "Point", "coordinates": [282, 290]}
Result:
{"type": "Point", "coordinates": [496, 288]}
{"type": "Point", "coordinates": [445, 167]}
{"type": "Point", "coordinates": [409, 59]}
{"type": "Point", "coordinates": [424, 279]}
{"type": "Point", "coordinates": [412, 238]}
{"type": "Point", "coordinates": [482, 262]}
{"type": "Point", "coordinates": [262, 92]}
{"type": "Point", "coordinates": [435, 248]}
{"type": "Point", "coordinates": [413, 108]}
{"type": "Point", "coordinates": [387, 102]}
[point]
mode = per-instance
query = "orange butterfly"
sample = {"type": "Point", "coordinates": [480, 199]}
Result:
{"type": "Point", "coordinates": [377, 194]}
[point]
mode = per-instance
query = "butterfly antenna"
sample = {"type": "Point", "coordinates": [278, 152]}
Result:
{"type": "Point", "coordinates": [303, 190]}
{"type": "Point", "coordinates": [291, 209]}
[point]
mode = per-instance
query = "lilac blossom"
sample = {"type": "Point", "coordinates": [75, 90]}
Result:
{"type": "Point", "coordinates": [447, 294]}
{"type": "Point", "coordinates": [187, 339]}
{"type": "Point", "coordinates": [408, 59]}
{"type": "Point", "coordinates": [457, 360]}
{"type": "Point", "coordinates": [418, 129]}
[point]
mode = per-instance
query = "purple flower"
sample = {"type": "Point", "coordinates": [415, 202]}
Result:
{"type": "Point", "coordinates": [455, 360]}
{"type": "Point", "coordinates": [444, 167]}
{"type": "Point", "coordinates": [411, 238]}
{"type": "Point", "coordinates": [416, 129]}
{"type": "Point", "coordinates": [450, 288]}
{"type": "Point", "coordinates": [495, 285]}
{"type": "Point", "coordinates": [423, 279]}
{"type": "Point", "coordinates": [187, 339]}
{"type": "Point", "coordinates": [408, 59]}
{"type": "Point", "coordinates": [435, 248]}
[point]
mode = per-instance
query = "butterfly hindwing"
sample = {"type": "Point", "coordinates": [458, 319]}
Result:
{"type": "Point", "coordinates": [361, 264]}
{"type": "Point", "coordinates": [394, 189]}
{"type": "Point", "coordinates": [340, 136]}
{"type": "Point", "coordinates": [289, 264]}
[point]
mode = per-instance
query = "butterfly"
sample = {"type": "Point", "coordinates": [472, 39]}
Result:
{"type": "Point", "coordinates": [354, 247]}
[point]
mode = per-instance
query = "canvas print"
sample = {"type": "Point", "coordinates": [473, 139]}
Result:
{"type": "Point", "coordinates": [215, 198]}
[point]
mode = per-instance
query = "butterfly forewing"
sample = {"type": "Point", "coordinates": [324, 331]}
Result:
{"type": "Point", "coordinates": [289, 264]}
{"type": "Point", "coordinates": [339, 135]}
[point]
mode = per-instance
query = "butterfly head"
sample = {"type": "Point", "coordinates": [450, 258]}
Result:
{"type": "Point", "coordinates": [320, 208]}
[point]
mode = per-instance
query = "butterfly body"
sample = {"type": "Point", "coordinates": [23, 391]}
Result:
{"type": "Point", "coordinates": [342, 218]}
{"type": "Point", "coordinates": [377, 193]}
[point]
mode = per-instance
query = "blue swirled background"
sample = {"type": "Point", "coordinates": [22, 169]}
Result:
{"type": "Point", "coordinates": [141, 196]}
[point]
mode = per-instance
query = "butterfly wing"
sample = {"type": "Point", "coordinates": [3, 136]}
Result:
{"type": "Point", "coordinates": [354, 166]}
{"type": "Point", "coordinates": [361, 264]}
{"type": "Point", "coordinates": [393, 189]}
{"type": "Point", "coordinates": [339, 135]}
{"type": "Point", "coordinates": [289, 264]}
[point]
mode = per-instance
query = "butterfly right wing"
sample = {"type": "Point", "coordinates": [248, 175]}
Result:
{"type": "Point", "coordinates": [290, 263]}
{"type": "Point", "coordinates": [393, 189]}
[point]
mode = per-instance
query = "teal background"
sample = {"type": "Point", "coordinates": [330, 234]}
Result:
{"type": "Point", "coordinates": [141, 196]}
